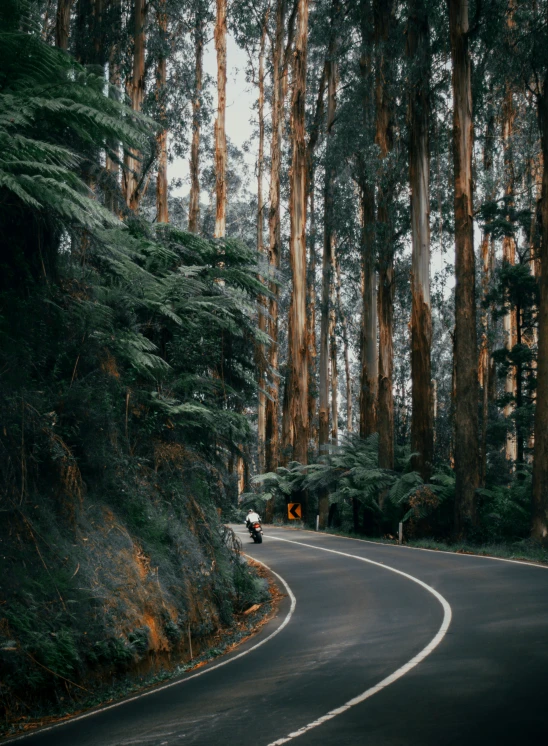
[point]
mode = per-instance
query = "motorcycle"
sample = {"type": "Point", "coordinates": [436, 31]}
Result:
{"type": "Point", "coordinates": [256, 532]}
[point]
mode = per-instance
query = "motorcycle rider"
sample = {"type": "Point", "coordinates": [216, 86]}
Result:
{"type": "Point", "coordinates": [251, 518]}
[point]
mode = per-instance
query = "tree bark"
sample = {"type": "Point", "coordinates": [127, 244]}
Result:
{"type": "Point", "coordinates": [261, 368]}
{"type": "Point", "coordinates": [466, 379]}
{"type": "Point", "coordinates": [327, 262]}
{"type": "Point", "coordinates": [344, 325]}
{"type": "Point", "coordinates": [162, 214]}
{"type": "Point", "coordinates": [287, 435]}
{"type": "Point", "coordinates": [312, 385]}
{"type": "Point", "coordinates": [422, 426]}
{"type": "Point", "coordinates": [114, 79]}
{"type": "Point", "coordinates": [369, 361]}
{"type": "Point", "coordinates": [333, 349]}
{"type": "Point", "coordinates": [328, 350]}
{"type": "Point", "coordinates": [274, 245]}
{"type": "Point", "coordinates": [484, 370]}
{"type": "Point", "coordinates": [220, 124]}
{"type": "Point", "coordinates": [298, 392]}
{"type": "Point", "coordinates": [136, 86]}
{"type": "Point", "coordinates": [194, 199]}
{"type": "Point", "coordinates": [383, 10]}
{"type": "Point", "coordinates": [540, 465]}
{"type": "Point", "coordinates": [509, 256]}
{"type": "Point", "coordinates": [62, 23]}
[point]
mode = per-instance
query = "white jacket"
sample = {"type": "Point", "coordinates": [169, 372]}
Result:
{"type": "Point", "coordinates": [253, 518]}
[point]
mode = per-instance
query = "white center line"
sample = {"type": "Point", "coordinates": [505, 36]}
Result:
{"type": "Point", "coordinates": [400, 671]}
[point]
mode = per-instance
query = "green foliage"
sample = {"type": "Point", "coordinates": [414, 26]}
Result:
{"type": "Point", "coordinates": [351, 475]}
{"type": "Point", "coordinates": [126, 358]}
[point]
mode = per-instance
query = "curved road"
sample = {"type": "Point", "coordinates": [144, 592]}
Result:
{"type": "Point", "coordinates": [482, 679]}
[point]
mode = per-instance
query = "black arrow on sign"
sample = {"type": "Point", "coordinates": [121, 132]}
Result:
{"type": "Point", "coordinates": [294, 510]}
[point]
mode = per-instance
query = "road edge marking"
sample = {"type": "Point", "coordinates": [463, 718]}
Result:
{"type": "Point", "coordinates": [529, 563]}
{"type": "Point", "coordinates": [424, 653]}
{"type": "Point", "coordinates": [171, 684]}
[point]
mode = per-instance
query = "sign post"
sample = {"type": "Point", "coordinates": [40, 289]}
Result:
{"type": "Point", "coordinates": [400, 533]}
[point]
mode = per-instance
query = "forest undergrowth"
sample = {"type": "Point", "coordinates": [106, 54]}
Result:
{"type": "Point", "coordinates": [124, 361]}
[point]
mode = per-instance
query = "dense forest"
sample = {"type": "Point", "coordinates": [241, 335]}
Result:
{"type": "Point", "coordinates": [359, 326]}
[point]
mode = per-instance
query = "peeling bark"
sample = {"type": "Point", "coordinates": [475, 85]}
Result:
{"type": "Point", "coordinates": [220, 122]}
{"type": "Point", "coordinates": [540, 465]}
{"type": "Point", "coordinates": [194, 199]}
{"type": "Point", "coordinates": [422, 426]}
{"type": "Point", "coordinates": [466, 358]}
{"type": "Point", "coordinates": [298, 390]}
{"type": "Point", "coordinates": [162, 214]}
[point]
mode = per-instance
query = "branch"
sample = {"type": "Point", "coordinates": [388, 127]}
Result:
{"type": "Point", "coordinates": [290, 35]}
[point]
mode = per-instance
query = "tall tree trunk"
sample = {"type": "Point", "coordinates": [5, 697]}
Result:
{"type": "Point", "coordinates": [194, 200]}
{"type": "Point", "coordinates": [274, 246]}
{"type": "Point", "coordinates": [369, 361]}
{"type": "Point", "coordinates": [298, 405]}
{"type": "Point", "coordinates": [422, 426]}
{"type": "Point", "coordinates": [344, 325]}
{"type": "Point", "coordinates": [383, 10]}
{"type": "Point", "coordinates": [333, 349]}
{"type": "Point", "coordinates": [136, 89]}
{"type": "Point", "coordinates": [369, 369]}
{"type": "Point", "coordinates": [261, 368]}
{"type": "Point", "coordinates": [220, 126]}
{"type": "Point", "coordinates": [540, 464]}
{"type": "Point", "coordinates": [327, 266]}
{"type": "Point", "coordinates": [312, 385]}
{"type": "Point", "coordinates": [62, 23]}
{"type": "Point", "coordinates": [162, 214]}
{"type": "Point", "coordinates": [326, 327]}
{"type": "Point", "coordinates": [287, 435]}
{"type": "Point", "coordinates": [509, 256]}
{"type": "Point", "coordinates": [466, 379]}
{"type": "Point", "coordinates": [487, 268]}
{"type": "Point", "coordinates": [114, 78]}
{"type": "Point", "coordinates": [369, 350]}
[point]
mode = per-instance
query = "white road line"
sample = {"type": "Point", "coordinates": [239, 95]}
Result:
{"type": "Point", "coordinates": [180, 681]}
{"type": "Point", "coordinates": [394, 676]}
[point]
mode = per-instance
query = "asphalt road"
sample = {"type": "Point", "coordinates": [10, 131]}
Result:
{"type": "Point", "coordinates": [463, 654]}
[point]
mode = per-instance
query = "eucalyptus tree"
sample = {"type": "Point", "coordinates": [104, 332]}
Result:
{"type": "Point", "coordinates": [466, 380]}
{"type": "Point", "coordinates": [199, 32]}
{"type": "Point", "coordinates": [297, 353]}
{"type": "Point", "coordinates": [422, 432]}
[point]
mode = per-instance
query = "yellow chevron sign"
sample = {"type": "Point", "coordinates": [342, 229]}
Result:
{"type": "Point", "coordinates": [294, 511]}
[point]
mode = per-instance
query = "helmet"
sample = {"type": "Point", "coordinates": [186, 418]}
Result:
{"type": "Point", "coordinates": [250, 510]}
